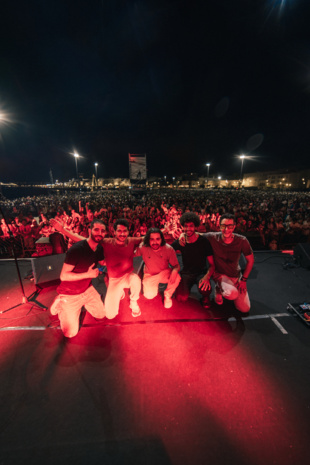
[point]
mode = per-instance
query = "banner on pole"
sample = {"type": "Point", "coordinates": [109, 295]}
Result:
{"type": "Point", "coordinates": [137, 167]}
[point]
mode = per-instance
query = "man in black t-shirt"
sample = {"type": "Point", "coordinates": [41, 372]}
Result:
{"type": "Point", "coordinates": [76, 289]}
{"type": "Point", "coordinates": [196, 251]}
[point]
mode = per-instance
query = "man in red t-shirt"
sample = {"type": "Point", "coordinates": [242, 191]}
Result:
{"type": "Point", "coordinates": [119, 252]}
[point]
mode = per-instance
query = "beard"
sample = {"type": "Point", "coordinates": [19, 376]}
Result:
{"type": "Point", "coordinates": [96, 238]}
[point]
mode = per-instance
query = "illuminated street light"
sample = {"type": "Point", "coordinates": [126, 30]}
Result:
{"type": "Point", "coordinates": [76, 156]}
{"type": "Point", "coordinates": [242, 157]}
{"type": "Point", "coordinates": [208, 166]}
{"type": "Point", "coordinates": [5, 118]}
{"type": "Point", "coordinates": [96, 167]}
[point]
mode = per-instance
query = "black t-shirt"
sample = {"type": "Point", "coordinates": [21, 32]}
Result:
{"type": "Point", "coordinates": [81, 256]}
{"type": "Point", "coordinates": [194, 255]}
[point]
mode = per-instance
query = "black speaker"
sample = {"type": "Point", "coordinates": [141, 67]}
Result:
{"type": "Point", "coordinates": [47, 268]}
{"type": "Point", "coordinates": [302, 255]}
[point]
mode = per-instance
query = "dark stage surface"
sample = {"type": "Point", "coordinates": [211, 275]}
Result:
{"type": "Point", "coordinates": [178, 386]}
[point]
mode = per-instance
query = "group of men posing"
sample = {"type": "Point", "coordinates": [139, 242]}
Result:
{"type": "Point", "coordinates": [204, 256]}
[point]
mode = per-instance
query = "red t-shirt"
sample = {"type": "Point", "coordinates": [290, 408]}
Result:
{"type": "Point", "coordinates": [119, 258]}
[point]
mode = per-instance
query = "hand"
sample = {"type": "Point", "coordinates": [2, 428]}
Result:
{"type": "Point", "coordinates": [57, 224]}
{"type": "Point", "coordinates": [93, 272]}
{"type": "Point", "coordinates": [173, 276]}
{"type": "Point", "coordinates": [204, 284]}
{"type": "Point", "coordinates": [242, 287]}
{"type": "Point", "coordinates": [182, 240]}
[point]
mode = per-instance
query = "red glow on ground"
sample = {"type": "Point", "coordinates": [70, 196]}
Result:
{"type": "Point", "coordinates": [194, 381]}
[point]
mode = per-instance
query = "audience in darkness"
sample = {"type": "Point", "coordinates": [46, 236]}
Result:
{"type": "Point", "coordinates": [270, 220]}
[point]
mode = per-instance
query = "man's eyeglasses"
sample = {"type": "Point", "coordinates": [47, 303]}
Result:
{"type": "Point", "coordinates": [227, 226]}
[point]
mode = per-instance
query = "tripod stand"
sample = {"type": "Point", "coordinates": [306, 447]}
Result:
{"type": "Point", "coordinates": [25, 300]}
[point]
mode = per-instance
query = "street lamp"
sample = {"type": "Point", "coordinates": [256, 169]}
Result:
{"type": "Point", "coordinates": [242, 157]}
{"type": "Point", "coordinates": [208, 166]}
{"type": "Point", "coordinates": [96, 168]}
{"type": "Point", "coordinates": [76, 156]}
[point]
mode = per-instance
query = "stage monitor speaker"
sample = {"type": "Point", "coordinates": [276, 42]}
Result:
{"type": "Point", "coordinates": [302, 254]}
{"type": "Point", "coordinates": [47, 268]}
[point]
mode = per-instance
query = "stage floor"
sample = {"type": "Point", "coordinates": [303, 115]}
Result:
{"type": "Point", "coordinates": [178, 386]}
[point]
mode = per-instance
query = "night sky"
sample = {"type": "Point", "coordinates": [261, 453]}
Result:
{"type": "Point", "coordinates": [184, 82]}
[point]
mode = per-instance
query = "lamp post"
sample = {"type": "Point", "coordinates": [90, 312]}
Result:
{"type": "Point", "coordinates": [242, 157]}
{"type": "Point", "coordinates": [208, 166]}
{"type": "Point", "coordinates": [76, 156]}
{"type": "Point", "coordinates": [96, 168]}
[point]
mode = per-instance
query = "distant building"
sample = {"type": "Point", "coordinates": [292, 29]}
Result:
{"type": "Point", "coordinates": [279, 179]}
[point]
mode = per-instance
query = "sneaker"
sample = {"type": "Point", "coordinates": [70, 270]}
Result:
{"type": "Point", "coordinates": [168, 302]}
{"type": "Point", "coordinates": [135, 309]}
{"type": "Point", "coordinates": [218, 298]}
{"type": "Point", "coordinates": [55, 307]}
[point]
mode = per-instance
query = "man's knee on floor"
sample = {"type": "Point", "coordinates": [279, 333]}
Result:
{"type": "Point", "coordinates": [69, 333]}
{"type": "Point", "coordinates": [244, 308]}
{"type": "Point", "coordinates": [99, 314]}
{"type": "Point", "coordinates": [149, 295]}
{"type": "Point", "coordinates": [111, 313]}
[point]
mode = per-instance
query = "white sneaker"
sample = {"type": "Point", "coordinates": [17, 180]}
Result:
{"type": "Point", "coordinates": [168, 302]}
{"type": "Point", "coordinates": [135, 309]}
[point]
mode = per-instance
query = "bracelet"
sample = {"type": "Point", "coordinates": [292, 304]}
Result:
{"type": "Point", "coordinates": [244, 279]}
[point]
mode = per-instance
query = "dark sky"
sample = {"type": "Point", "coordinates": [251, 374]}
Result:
{"type": "Point", "coordinates": [186, 82]}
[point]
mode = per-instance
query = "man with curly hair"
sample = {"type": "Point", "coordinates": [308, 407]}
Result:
{"type": "Point", "coordinates": [196, 252]}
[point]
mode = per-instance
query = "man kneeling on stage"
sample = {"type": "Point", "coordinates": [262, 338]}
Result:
{"type": "Point", "coordinates": [161, 266]}
{"type": "Point", "coordinates": [227, 248]}
{"type": "Point", "coordinates": [75, 289]}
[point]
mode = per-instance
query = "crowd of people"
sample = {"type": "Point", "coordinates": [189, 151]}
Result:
{"type": "Point", "coordinates": [270, 220]}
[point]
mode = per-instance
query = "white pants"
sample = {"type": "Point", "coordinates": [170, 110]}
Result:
{"type": "Point", "coordinates": [228, 288]}
{"type": "Point", "coordinates": [151, 282]}
{"type": "Point", "coordinates": [69, 309]}
{"type": "Point", "coordinates": [115, 290]}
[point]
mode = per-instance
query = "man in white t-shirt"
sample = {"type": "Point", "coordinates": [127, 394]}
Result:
{"type": "Point", "coordinates": [161, 266]}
